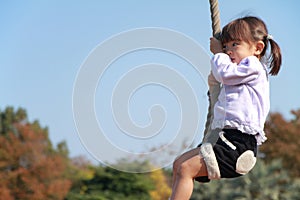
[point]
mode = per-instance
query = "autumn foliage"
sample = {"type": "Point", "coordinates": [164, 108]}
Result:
{"type": "Point", "coordinates": [162, 190]}
{"type": "Point", "coordinates": [30, 167]}
{"type": "Point", "coordinates": [283, 141]}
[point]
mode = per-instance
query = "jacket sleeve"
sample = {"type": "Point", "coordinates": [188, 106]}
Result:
{"type": "Point", "coordinates": [229, 73]}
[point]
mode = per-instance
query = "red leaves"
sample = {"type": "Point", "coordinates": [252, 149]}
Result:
{"type": "Point", "coordinates": [283, 141]}
{"type": "Point", "coordinates": [30, 167]}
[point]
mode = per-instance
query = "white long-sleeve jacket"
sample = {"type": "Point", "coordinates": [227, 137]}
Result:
{"type": "Point", "coordinates": [243, 102]}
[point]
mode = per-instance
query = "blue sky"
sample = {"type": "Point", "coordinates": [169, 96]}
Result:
{"type": "Point", "coordinates": [44, 43]}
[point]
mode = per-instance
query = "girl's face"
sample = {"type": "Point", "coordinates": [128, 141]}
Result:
{"type": "Point", "coordinates": [238, 50]}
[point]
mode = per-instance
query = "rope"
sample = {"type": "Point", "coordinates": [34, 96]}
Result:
{"type": "Point", "coordinates": [210, 135]}
{"type": "Point", "coordinates": [215, 18]}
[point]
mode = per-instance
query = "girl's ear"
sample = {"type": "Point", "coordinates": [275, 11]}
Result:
{"type": "Point", "coordinates": [259, 48]}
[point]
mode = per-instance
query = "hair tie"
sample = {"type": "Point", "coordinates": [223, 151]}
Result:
{"type": "Point", "coordinates": [269, 37]}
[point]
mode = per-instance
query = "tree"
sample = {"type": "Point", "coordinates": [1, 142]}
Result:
{"type": "Point", "coordinates": [283, 141]}
{"type": "Point", "coordinates": [30, 167]}
{"type": "Point", "coordinates": [162, 191]}
{"type": "Point", "coordinates": [9, 117]}
{"type": "Point", "coordinates": [108, 183]}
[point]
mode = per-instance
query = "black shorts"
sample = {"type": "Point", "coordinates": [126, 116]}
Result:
{"type": "Point", "coordinates": [228, 150]}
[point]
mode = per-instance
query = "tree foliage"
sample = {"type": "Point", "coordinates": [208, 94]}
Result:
{"type": "Point", "coordinates": [108, 183]}
{"type": "Point", "coordinates": [162, 190]}
{"type": "Point", "coordinates": [283, 141]}
{"type": "Point", "coordinates": [30, 167]}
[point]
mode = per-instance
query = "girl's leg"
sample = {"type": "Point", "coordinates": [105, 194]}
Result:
{"type": "Point", "coordinates": [182, 158]}
{"type": "Point", "coordinates": [188, 166]}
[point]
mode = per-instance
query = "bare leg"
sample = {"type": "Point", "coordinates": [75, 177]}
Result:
{"type": "Point", "coordinates": [182, 158]}
{"type": "Point", "coordinates": [188, 166]}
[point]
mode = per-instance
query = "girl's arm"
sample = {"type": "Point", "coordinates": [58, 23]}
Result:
{"type": "Point", "coordinates": [230, 73]}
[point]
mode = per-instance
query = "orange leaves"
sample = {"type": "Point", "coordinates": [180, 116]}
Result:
{"type": "Point", "coordinates": [162, 190]}
{"type": "Point", "coordinates": [283, 141]}
{"type": "Point", "coordinates": [30, 167]}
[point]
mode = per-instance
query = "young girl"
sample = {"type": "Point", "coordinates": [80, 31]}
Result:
{"type": "Point", "coordinates": [239, 65]}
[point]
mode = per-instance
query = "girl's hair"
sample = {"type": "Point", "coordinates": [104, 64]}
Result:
{"type": "Point", "coordinates": [252, 29]}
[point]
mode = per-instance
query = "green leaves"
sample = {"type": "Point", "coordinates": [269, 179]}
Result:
{"type": "Point", "coordinates": [31, 168]}
{"type": "Point", "coordinates": [108, 183]}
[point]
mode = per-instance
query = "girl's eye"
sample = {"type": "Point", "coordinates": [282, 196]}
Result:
{"type": "Point", "coordinates": [235, 44]}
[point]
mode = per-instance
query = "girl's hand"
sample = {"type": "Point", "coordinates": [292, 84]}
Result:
{"type": "Point", "coordinates": [215, 45]}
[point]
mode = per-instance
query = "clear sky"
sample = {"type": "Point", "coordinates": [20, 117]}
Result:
{"type": "Point", "coordinates": [44, 43]}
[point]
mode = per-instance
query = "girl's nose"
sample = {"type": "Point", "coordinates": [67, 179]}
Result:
{"type": "Point", "coordinates": [228, 51]}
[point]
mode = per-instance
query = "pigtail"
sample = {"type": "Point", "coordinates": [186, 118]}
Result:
{"type": "Point", "coordinates": [275, 57]}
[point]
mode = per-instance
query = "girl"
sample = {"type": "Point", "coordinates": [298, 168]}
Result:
{"type": "Point", "coordinates": [239, 65]}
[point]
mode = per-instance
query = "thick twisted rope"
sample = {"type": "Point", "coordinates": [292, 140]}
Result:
{"type": "Point", "coordinates": [215, 18]}
{"type": "Point", "coordinates": [210, 135]}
